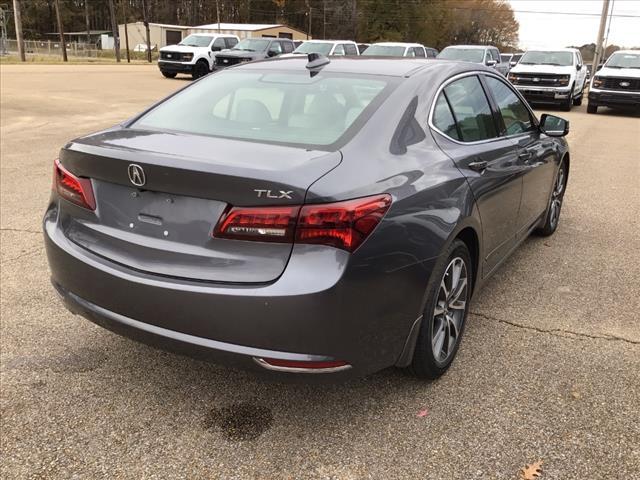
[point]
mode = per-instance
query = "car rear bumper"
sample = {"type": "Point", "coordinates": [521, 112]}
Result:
{"type": "Point", "coordinates": [318, 310]}
{"type": "Point", "coordinates": [608, 98]}
{"type": "Point", "coordinates": [175, 67]}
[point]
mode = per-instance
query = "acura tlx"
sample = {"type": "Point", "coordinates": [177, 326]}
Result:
{"type": "Point", "coordinates": [306, 215]}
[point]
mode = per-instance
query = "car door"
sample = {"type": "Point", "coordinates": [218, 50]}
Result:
{"type": "Point", "coordinates": [534, 150]}
{"type": "Point", "coordinates": [466, 130]}
{"type": "Point", "coordinates": [581, 74]}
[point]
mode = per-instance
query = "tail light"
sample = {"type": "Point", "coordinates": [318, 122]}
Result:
{"type": "Point", "coordinates": [74, 189]}
{"type": "Point", "coordinates": [342, 225]}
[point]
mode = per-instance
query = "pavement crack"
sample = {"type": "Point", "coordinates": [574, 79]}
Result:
{"type": "Point", "coordinates": [22, 230]}
{"type": "Point", "coordinates": [558, 332]}
{"type": "Point", "coordinates": [24, 254]}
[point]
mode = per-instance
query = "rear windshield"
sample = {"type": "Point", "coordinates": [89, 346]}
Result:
{"type": "Point", "coordinates": [252, 45]}
{"type": "Point", "coordinates": [272, 107]}
{"type": "Point", "coordinates": [385, 51]}
{"type": "Point", "coordinates": [475, 55]}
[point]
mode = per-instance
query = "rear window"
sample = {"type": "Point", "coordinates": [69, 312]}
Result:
{"type": "Point", "coordinates": [271, 107]}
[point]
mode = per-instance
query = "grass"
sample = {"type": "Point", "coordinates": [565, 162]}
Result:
{"type": "Point", "coordinates": [103, 59]}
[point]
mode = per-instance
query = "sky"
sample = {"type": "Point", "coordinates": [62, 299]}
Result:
{"type": "Point", "coordinates": [540, 30]}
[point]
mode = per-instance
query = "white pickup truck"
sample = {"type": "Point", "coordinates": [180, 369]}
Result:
{"type": "Point", "coordinates": [617, 83]}
{"type": "Point", "coordinates": [194, 55]}
{"type": "Point", "coordinates": [551, 76]}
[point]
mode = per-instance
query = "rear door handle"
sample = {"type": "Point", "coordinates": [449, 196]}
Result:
{"type": "Point", "coordinates": [479, 165]}
{"type": "Point", "coordinates": [525, 155]}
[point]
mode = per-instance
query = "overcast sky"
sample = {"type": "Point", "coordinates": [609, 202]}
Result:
{"type": "Point", "coordinates": [540, 30]}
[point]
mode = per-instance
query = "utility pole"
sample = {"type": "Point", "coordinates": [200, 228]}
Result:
{"type": "Point", "coordinates": [114, 30]}
{"type": "Point", "coordinates": [309, 20]}
{"type": "Point", "coordinates": [126, 32]}
{"type": "Point", "coordinates": [354, 16]}
{"type": "Point", "coordinates": [146, 26]}
{"type": "Point", "coordinates": [86, 20]}
{"type": "Point", "coordinates": [603, 22]}
{"type": "Point", "coordinates": [18, 21]}
{"type": "Point", "coordinates": [324, 19]}
{"type": "Point", "coordinates": [63, 43]}
{"type": "Point", "coordinates": [218, 14]}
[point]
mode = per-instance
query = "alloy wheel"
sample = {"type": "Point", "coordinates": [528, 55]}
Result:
{"type": "Point", "coordinates": [450, 310]}
{"type": "Point", "coordinates": [556, 198]}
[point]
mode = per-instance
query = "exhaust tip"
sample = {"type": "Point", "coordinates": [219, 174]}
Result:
{"type": "Point", "coordinates": [302, 366]}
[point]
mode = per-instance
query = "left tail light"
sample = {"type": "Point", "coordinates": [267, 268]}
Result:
{"type": "Point", "coordinates": [342, 225]}
{"type": "Point", "coordinates": [76, 190]}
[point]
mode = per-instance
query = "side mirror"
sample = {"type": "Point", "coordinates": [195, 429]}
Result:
{"type": "Point", "coordinates": [512, 64]}
{"type": "Point", "coordinates": [553, 126]}
{"type": "Point", "coordinates": [579, 67]}
{"type": "Point", "coordinates": [216, 49]}
{"type": "Point", "coordinates": [272, 53]}
{"type": "Point", "coordinates": [490, 63]}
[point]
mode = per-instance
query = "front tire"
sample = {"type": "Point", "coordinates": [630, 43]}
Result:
{"type": "Point", "coordinates": [169, 74]}
{"type": "Point", "coordinates": [555, 203]}
{"type": "Point", "coordinates": [200, 69]}
{"type": "Point", "coordinates": [591, 108]}
{"type": "Point", "coordinates": [568, 103]}
{"type": "Point", "coordinates": [445, 313]}
{"type": "Point", "coordinates": [578, 101]}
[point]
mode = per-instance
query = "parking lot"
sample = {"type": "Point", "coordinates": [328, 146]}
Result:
{"type": "Point", "coordinates": [549, 368]}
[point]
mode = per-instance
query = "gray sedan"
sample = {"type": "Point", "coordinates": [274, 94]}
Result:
{"type": "Point", "coordinates": [305, 216]}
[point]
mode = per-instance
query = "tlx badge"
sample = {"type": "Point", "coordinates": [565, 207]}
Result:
{"type": "Point", "coordinates": [273, 194]}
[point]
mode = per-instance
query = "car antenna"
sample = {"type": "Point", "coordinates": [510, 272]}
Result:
{"type": "Point", "coordinates": [316, 61]}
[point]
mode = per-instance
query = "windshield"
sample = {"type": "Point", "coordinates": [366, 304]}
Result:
{"type": "Point", "coordinates": [252, 45]}
{"type": "Point", "coordinates": [385, 51]}
{"type": "Point", "coordinates": [624, 60]}
{"type": "Point", "coordinates": [196, 41]}
{"type": "Point", "coordinates": [560, 59]}
{"type": "Point", "coordinates": [271, 106]}
{"type": "Point", "coordinates": [322, 48]}
{"type": "Point", "coordinates": [505, 58]}
{"type": "Point", "coordinates": [475, 55]}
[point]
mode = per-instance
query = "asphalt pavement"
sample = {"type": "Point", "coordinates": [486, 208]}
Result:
{"type": "Point", "coordinates": [549, 368]}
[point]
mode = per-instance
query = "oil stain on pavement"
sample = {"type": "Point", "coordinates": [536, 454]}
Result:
{"type": "Point", "coordinates": [240, 421]}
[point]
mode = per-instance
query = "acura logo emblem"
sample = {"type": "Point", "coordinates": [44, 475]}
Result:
{"type": "Point", "coordinates": [136, 175]}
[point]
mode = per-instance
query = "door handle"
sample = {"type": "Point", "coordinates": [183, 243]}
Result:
{"type": "Point", "coordinates": [479, 165]}
{"type": "Point", "coordinates": [526, 155]}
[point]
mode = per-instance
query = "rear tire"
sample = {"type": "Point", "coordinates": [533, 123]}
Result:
{"type": "Point", "coordinates": [169, 74]}
{"type": "Point", "coordinates": [592, 108]}
{"type": "Point", "coordinates": [200, 69]}
{"type": "Point", "coordinates": [555, 203]}
{"type": "Point", "coordinates": [445, 313]}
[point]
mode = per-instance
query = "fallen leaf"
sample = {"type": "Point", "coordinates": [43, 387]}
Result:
{"type": "Point", "coordinates": [531, 472]}
{"type": "Point", "coordinates": [423, 413]}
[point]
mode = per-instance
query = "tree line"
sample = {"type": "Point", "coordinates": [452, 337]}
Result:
{"type": "Point", "coordinates": [435, 23]}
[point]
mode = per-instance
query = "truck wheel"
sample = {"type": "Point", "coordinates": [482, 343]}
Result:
{"type": "Point", "coordinates": [200, 69]}
{"type": "Point", "coordinates": [591, 108]}
{"type": "Point", "coordinates": [578, 101]}
{"type": "Point", "coordinates": [568, 103]}
{"type": "Point", "coordinates": [169, 74]}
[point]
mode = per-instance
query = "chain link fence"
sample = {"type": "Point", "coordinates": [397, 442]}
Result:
{"type": "Point", "coordinates": [74, 49]}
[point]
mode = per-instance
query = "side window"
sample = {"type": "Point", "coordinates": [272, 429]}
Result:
{"type": "Point", "coordinates": [218, 44]}
{"type": "Point", "coordinates": [350, 49]}
{"type": "Point", "coordinates": [231, 42]}
{"type": "Point", "coordinates": [288, 47]}
{"type": "Point", "coordinates": [471, 109]}
{"type": "Point", "coordinates": [514, 113]}
{"type": "Point", "coordinates": [579, 55]}
{"type": "Point", "coordinates": [487, 56]}
{"type": "Point", "coordinates": [495, 54]}
{"type": "Point", "coordinates": [339, 50]}
{"type": "Point", "coordinates": [409, 52]}
{"type": "Point", "coordinates": [419, 52]}
{"type": "Point", "coordinates": [432, 53]}
{"type": "Point", "coordinates": [443, 118]}
{"type": "Point", "coordinates": [276, 48]}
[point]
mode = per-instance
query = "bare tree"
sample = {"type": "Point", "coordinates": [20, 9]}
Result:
{"type": "Point", "coordinates": [114, 29]}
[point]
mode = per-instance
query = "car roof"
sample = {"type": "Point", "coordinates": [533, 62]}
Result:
{"type": "Point", "coordinates": [471, 46]}
{"type": "Point", "coordinates": [552, 50]}
{"type": "Point", "coordinates": [386, 66]}
{"type": "Point", "coordinates": [398, 44]}
{"type": "Point", "coordinates": [328, 41]}
{"type": "Point", "coordinates": [632, 51]}
{"type": "Point", "coordinates": [213, 35]}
